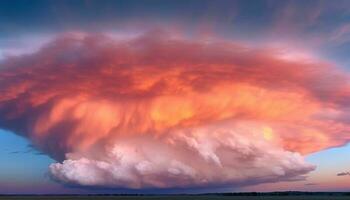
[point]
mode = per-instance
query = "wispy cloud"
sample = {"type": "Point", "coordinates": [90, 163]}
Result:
{"type": "Point", "coordinates": [31, 150]}
{"type": "Point", "coordinates": [343, 174]}
{"type": "Point", "coordinates": [311, 184]}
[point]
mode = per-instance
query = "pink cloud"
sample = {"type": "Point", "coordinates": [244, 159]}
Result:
{"type": "Point", "coordinates": [164, 111]}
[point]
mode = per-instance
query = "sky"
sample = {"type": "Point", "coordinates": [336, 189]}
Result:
{"type": "Point", "coordinates": [174, 96]}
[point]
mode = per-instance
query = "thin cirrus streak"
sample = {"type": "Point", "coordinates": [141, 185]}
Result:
{"type": "Point", "coordinates": [163, 111]}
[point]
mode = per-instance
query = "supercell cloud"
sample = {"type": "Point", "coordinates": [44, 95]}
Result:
{"type": "Point", "coordinates": [164, 111]}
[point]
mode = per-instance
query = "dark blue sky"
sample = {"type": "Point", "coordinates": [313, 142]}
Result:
{"type": "Point", "coordinates": [314, 24]}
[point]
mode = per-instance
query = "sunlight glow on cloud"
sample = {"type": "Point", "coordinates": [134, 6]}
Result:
{"type": "Point", "coordinates": [159, 111]}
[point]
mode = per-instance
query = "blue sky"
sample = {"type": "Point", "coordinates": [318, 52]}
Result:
{"type": "Point", "coordinates": [20, 163]}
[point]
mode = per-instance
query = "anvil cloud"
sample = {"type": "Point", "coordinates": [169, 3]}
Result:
{"type": "Point", "coordinates": [164, 111]}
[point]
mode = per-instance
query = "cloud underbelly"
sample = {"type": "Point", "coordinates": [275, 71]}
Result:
{"type": "Point", "coordinates": [227, 153]}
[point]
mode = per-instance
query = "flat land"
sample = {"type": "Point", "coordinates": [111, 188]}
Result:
{"type": "Point", "coordinates": [180, 197]}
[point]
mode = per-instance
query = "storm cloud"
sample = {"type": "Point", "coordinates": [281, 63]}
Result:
{"type": "Point", "coordinates": [164, 111]}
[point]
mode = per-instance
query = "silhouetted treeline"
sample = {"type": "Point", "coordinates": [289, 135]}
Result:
{"type": "Point", "coordinates": [286, 193]}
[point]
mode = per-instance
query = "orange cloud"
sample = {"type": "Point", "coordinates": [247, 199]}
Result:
{"type": "Point", "coordinates": [165, 111]}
